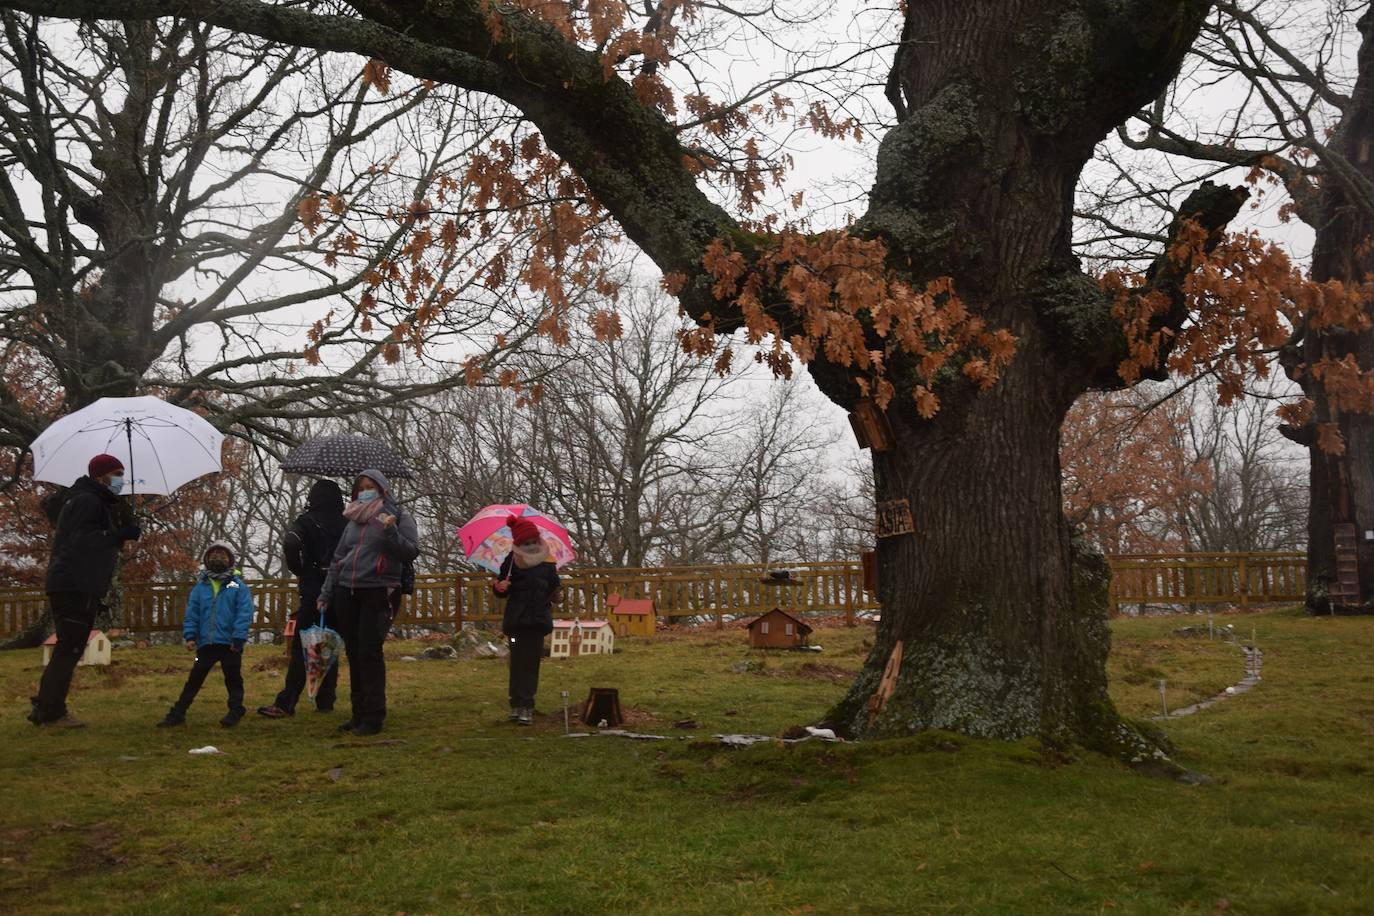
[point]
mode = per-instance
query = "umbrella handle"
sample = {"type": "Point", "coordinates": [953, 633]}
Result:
{"type": "Point", "coordinates": [129, 436]}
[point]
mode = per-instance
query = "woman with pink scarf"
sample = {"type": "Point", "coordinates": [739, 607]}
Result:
{"type": "Point", "coordinates": [362, 589]}
{"type": "Point", "coordinates": [529, 582]}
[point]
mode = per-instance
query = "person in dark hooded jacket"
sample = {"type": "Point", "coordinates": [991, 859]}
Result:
{"type": "Point", "coordinates": [85, 549]}
{"type": "Point", "coordinates": [361, 591]}
{"type": "Point", "coordinates": [309, 546]}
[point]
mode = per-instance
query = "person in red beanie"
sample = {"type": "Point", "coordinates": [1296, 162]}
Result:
{"type": "Point", "coordinates": [529, 583]}
{"type": "Point", "coordinates": [85, 548]}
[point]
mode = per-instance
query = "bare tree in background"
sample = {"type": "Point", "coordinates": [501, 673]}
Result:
{"type": "Point", "coordinates": [256, 230]}
{"type": "Point", "coordinates": [1302, 74]}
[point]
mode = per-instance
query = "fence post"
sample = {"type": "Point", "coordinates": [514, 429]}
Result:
{"type": "Point", "coordinates": [1244, 583]}
{"type": "Point", "coordinates": [458, 607]}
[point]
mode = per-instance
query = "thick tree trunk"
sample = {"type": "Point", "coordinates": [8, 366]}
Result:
{"type": "Point", "coordinates": [996, 641]}
{"type": "Point", "coordinates": [1342, 485]}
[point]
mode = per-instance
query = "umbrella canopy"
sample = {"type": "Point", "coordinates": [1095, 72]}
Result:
{"type": "Point", "coordinates": [346, 455]}
{"type": "Point", "coordinates": [487, 539]}
{"type": "Point", "coordinates": [162, 446]}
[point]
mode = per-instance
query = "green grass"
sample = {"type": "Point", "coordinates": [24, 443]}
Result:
{"type": "Point", "coordinates": [469, 814]}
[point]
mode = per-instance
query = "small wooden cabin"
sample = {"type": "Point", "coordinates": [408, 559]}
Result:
{"type": "Point", "coordinates": [571, 638]}
{"type": "Point", "coordinates": [97, 649]}
{"type": "Point", "coordinates": [777, 630]}
{"type": "Point", "coordinates": [631, 616]}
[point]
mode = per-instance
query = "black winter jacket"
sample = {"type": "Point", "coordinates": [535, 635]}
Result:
{"type": "Point", "coordinates": [310, 542]}
{"type": "Point", "coordinates": [528, 600]}
{"type": "Point", "coordinates": [86, 545]}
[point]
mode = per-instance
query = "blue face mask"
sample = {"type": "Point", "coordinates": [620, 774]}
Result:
{"type": "Point", "coordinates": [367, 496]}
{"type": "Point", "coordinates": [116, 484]}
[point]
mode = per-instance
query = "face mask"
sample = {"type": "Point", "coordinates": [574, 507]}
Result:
{"type": "Point", "coordinates": [116, 484]}
{"type": "Point", "coordinates": [216, 565]}
{"type": "Point", "coordinates": [367, 496]}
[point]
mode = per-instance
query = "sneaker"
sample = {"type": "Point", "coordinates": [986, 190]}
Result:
{"type": "Point", "coordinates": [65, 721]}
{"type": "Point", "coordinates": [171, 720]}
{"type": "Point", "coordinates": [514, 715]}
{"type": "Point", "coordinates": [231, 719]}
{"type": "Point", "coordinates": [364, 729]}
{"type": "Point", "coordinates": [273, 712]}
{"type": "Point", "coordinates": [526, 717]}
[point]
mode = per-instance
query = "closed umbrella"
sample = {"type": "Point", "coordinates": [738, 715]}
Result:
{"type": "Point", "coordinates": [162, 446]}
{"type": "Point", "coordinates": [345, 455]}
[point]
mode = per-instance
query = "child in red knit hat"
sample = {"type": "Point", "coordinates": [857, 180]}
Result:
{"type": "Point", "coordinates": [529, 582]}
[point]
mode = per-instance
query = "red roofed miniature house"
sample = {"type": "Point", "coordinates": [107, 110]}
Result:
{"type": "Point", "coordinates": [631, 616]}
{"type": "Point", "coordinates": [97, 649]}
{"type": "Point", "coordinates": [777, 630]}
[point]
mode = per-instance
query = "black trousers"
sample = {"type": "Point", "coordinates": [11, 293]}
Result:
{"type": "Point", "coordinates": [363, 617]}
{"type": "Point", "coordinates": [526, 651]}
{"type": "Point", "coordinates": [229, 661]}
{"type": "Point", "coordinates": [73, 616]}
{"type": "Point", "coordinates": [307, 615]}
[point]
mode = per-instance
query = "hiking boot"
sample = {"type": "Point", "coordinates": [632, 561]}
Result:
{"type": "Point", "coordinates": [172, 719]}
{"type": "Point", "coordinates": [231, 718]}
{"type": "Point", "coordinates": [274, 712]}
{"type": "Point", "coordinates": [525, 717]}
{"type": "Point", "coordinates": [63, 721]}
{"type": "Point", "coordinates": [364, 729]}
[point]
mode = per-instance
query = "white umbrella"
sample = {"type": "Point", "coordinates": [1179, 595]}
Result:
{"type": "Point", "coordinates": [162, 446]}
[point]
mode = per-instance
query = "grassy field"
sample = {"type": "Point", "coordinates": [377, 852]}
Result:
{"type": "Point", "coordinates": [452, 810]}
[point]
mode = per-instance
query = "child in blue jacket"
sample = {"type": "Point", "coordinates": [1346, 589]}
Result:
{"type": "Point", "coordinates": [217, 617]}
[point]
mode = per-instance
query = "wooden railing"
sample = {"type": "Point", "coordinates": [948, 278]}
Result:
{"type": "Point", "coordinates": [700, 593]}
{"type": "Point", "coordinates": [719, 593]}
{"type": "Point", "coordinates": [1188, 579]}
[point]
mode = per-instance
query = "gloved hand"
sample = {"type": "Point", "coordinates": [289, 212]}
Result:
{"type": "Point", "coordinates": [130, 533]}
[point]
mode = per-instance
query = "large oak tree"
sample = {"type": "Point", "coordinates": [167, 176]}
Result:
{"type": "Point", "coordinates": [999, 104]}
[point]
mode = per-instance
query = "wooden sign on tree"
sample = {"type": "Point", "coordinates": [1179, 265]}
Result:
{"type": "Point", "coordinates": [894, 518]}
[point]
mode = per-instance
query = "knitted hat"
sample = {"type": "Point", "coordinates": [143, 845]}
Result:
{"type": "Point", "coordinates": [522, 530]}
{"type": "Point", "coordinates": [103, 464]}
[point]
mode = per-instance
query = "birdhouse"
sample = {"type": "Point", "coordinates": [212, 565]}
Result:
{"type": "Point", "coordinates": [631, 616]}
{"type": "Point", "coordinates": [97, 649]}
{"type": "Point", "coordinates": [777, 630]}
{"type": "Point", "coordinates": [870, 425]}
{"type": "Point", "coordinates": [574, 638]}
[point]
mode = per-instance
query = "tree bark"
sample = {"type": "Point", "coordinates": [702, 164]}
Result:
{"type": "Point", "coordinates": [1341, 485]}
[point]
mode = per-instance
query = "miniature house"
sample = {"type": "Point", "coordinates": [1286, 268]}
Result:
{"type": "Point", "coordinates": [571, 638]}
{"type": "Point", "coordinates": [97, 649]}
{"type": "Point", "coordinates": [777, 630]}
{"type": "Point", "coordinates": [631, 616]}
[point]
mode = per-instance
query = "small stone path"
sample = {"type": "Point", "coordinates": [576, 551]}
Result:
{"type": "Point", "coordinates": [1254, 661]}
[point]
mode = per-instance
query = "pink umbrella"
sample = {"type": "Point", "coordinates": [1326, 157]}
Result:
{"type": "Point", "coordinates": [487, 539]}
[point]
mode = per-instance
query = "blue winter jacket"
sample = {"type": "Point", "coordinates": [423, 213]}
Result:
{"type": "Point", "coordinates": [221, 619]}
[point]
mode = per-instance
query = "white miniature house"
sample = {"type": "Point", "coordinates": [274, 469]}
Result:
{"type": "Point", "coordinates": [97, 649]}
{"type": "Point", "coordinates": [572, 638]}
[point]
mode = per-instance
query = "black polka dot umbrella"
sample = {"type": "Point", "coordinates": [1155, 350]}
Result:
{"type": "Point", "coordinates": [343, 456]}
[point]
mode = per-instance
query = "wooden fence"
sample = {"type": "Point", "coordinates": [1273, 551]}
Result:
{"type": "Point", "coordinates": [696, 593]}
{"type": "Point", "coordinates": [1190, 579]}
{"type": "Point", "coordinates": [719, 593]}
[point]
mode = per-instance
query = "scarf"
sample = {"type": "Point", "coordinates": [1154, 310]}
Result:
{"type": "Point", "coordinates": [528, 556]}
{"type": "Point", "coordinates": [364, 512]}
